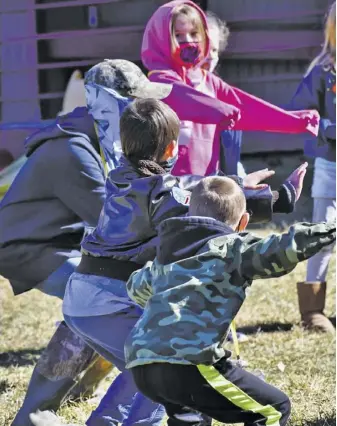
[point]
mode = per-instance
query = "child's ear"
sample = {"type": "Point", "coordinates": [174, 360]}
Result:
{"type": "Point", "coordinates": [170, 150]}
{"type": "Point", "coordinates": [243, 222]}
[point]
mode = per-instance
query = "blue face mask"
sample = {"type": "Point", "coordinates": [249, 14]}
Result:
{"type": "Point", "coordinates": [168, 164]}
{"type": "Point", "coordinates": [106, 106]}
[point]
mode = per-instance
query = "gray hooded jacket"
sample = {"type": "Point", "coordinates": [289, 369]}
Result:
{"type": "Point", "coordinates": [58, 191]}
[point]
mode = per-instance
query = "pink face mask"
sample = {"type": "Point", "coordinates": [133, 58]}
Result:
{"type": "Point", "coordinates": [188, 54]}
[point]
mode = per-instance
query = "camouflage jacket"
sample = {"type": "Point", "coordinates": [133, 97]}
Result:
{"type": "Point", "coordinates": [196, 285]}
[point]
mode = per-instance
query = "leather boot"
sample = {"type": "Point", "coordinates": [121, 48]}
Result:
{"type": "Point", "coordinates": [65, 357]}
{"type": "Point", "coordinates": [311, 299]}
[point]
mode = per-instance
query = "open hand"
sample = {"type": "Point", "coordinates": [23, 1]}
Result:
{"type": "Point", "coordinates": [297, 177]}
{"type": "Point", "coordinates": [252, 181]}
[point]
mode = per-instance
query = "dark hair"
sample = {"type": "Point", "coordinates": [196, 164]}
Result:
{"type": "Point", "coordinates": [147, 126]}
{"type": "Point", "coordinates": [220, 198]}
{"type": "Point", "coordinates": [214, 20]}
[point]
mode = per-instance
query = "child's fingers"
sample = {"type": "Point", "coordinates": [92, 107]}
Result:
{"type": "Point", "coordinates": [257, 187]}
{"type": "Point", "coordinates": [302, 174]}
{"type": "Point", "coordinates": [261, 186]}
{"type": "Point", "coordinates": [300, 169]}
{"type": "Point", "coordinates": [264, 174]}
{"type": "Point", "coordinates": [302, 166]}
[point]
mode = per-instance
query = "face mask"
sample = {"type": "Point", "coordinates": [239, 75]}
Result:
{"type": "Point", "coordinates": [188, 54]}
{"type": "Point", "coordinates": [169, 163]}
{"type": "Point", "coordinates": [106, 106]}
{"type": "Point", "coordinates": [211, 64]}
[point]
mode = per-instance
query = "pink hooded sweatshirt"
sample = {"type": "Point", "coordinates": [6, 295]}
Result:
{"type": "Point", "coordinates": [204, 103]}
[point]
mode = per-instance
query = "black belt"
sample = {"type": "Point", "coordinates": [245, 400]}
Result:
{"type": "Point", "coordinates": [107, 267]}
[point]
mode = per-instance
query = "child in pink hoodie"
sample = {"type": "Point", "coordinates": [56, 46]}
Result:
{"type": "Point", "coordinates": [175, 45]}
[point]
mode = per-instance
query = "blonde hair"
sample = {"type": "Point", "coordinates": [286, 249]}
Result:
{"type": "Point", "coordinates": [214, 21]}
{"type": "Point", "coordinates": [220, 198]}
{"type": "Point", "coordinates": [191, 13]}
{"type": "Point", "coordinates": [328, 52]}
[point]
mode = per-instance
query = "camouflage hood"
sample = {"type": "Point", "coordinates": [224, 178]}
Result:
{"type": "Point", "coordinates": [183, 237]}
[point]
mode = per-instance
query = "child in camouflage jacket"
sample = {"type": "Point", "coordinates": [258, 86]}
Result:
{"type": "Point", "coordinates": [191, 293]}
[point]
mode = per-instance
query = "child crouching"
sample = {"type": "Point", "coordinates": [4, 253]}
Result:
{"type": "Point", "coordinates": [192, 291]}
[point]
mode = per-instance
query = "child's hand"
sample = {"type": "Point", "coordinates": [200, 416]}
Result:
{"type": "Point", "coordinates": [233, 115]}
{"type": "Point", "coordinates": [297, 177]}
{"type": "Point", "coordinates": [252, 181]}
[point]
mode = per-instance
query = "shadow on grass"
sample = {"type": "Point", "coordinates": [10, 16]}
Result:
{"type": "Point", "coordinates": [272, 327]}
{"type": "Point", "coordinates": [328, 421]}
{"type": "Point", "coordinates": [20, 358]}
{"type": "Point", "coordinates": [266, 328]}
{"type": "Point", "coordinates": [4, 386]}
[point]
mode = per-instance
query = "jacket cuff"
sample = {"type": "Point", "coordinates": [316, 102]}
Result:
{"type": "Point", "coordinates": [286, 200]}
{"type": "Point", "coordinates": [259, 205]}
{"type": "Point", "coordinates": [327, 130]}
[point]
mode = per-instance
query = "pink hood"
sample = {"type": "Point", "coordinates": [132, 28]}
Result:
{"type": "Point", "coordinates": [207, 108]}
{"type": "Point", "coordinates": [156, 47]}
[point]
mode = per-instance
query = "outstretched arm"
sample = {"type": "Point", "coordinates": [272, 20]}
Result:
{"type": "Point", "coordinates": [192, 105]}
{"type": "Point", "coordinates": [260, 115]}
{"type": "Point", "coordinates": [233, 108]}
{"type": "Point", "coordinates": [277, 255]}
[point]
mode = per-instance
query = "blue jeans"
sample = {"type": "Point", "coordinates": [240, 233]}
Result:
{"type": "Point", "coordinates": [122, 404]}
{"type": "Point", "coordinates": [55, 284]}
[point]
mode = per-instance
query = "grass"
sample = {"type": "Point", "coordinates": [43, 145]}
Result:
{"type": "Point", "coordinates": [300, 363]}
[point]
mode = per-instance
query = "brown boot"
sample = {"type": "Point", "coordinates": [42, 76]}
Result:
{"type": "Point", "coordinates": [311, 299]}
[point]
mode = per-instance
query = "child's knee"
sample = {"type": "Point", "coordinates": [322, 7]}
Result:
{"type": "Point", "coordinates": [284, 407]}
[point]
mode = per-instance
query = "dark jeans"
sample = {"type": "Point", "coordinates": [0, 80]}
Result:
{"type": "Point", "coordinates": [224, 392]}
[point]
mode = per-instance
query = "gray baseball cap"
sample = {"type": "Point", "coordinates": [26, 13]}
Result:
{"type": "Point", "coordinates": [127, 79]}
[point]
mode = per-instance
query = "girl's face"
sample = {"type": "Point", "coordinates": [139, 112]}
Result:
{"type": "Point", "coordinates": [188, 37]}
{"type": "Point", "coordinates": [186, 31]}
